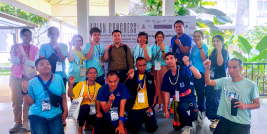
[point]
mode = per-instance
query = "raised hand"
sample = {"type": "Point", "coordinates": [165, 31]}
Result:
{"type": "Point", "coordinates": [186, 60]}
{"type": "Point", "coordinates": [199, 44]}
{"type": "Point", "coordinates": [71, 79]}
{"type": "Point", "coordinates": [112, 97]}
{"type": "Point", "coordinates": [207, 63]}
{"type": "Point", "coordinates": [70, 44]}
{"type": "Point", "coordinates": [177, 42]}
{"type": "Point", "coordinates": [25, 85]}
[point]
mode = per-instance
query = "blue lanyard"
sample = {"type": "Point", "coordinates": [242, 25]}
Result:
{"type": "Point", "coordinates": [140, 81]}
{"type": "Point", "coordinates": [47, 84]}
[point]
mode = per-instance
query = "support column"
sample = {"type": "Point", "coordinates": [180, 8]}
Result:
{"type": "Point", "coordinates": [111, 5]}
{"type": "Point", "coordinates": [82, 19]}
{"type": "Point", "coordinates": [61, 31]}
{"type": "Point", "coordinates": [167, 7]}
{"type": "Point", "coordinates": [50, 21]}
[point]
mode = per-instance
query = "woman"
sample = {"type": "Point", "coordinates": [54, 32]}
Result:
{"type": "Point", "coordinates": [77, 60]}
{"type": "Point", "coordinates": [23, 57]}
{"type": "Point", "coordinates": [55, 52]}
{"type": "Point", "coordinates": [159, 67]}
{"type": "Point", "coordinates": [88, 104]}
{"type": "Point", "coordinates": [219, 58]}
{"type": "Point", "coordinates": [142, 50]}
{"type": "Point", "coordinates": [199, 53]}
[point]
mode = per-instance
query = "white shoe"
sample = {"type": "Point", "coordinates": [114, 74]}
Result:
{"type": "Point", "coordinates": [214, 124]}
{"type": "Point", "coordinates": [200, 118]}
{"type": "Point", "coordinates": [188, 130]}
{"type": "Point", "coordinates": [15, 128]}
{"type": "Point", "coordinates": [26, 126]}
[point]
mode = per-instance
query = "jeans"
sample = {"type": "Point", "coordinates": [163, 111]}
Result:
{"type": "Point", "coordinates": [84, 115]}
{"type": "Point", "coordinates": [226, 126]}
{"type": "Point", "coordinates": [41, 125]}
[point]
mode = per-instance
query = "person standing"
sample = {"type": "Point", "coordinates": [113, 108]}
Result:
{"type": "Point", "coordinates": [94, 53]}
{"type": "Point", "coordinates": [219, 58]}
{"type": "Point", "coordinates": [119, 57]}
{"type": "Point", "coordinates": [199, 53]}
{"type": "Point", "coordinates": [23, 56]}
{"type": "Point", "coordinates": [159, 67]}
{"type": "Point", "coordinates": [237, 93]}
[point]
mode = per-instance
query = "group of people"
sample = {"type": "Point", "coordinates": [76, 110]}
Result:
{"type": "Point", "coordinates": [136, 82]}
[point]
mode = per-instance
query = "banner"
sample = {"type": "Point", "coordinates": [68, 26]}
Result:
{"type": "Point", "coordinates": [130, 26]}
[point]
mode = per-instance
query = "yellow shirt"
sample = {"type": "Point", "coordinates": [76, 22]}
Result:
{"type": "Point", "coordinates": [137, 105]}
{"type": "Point", "coordinates": [93, 92]}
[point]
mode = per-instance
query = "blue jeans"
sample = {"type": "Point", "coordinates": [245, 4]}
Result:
{"type": "Point", "coordinates": [41, 125]}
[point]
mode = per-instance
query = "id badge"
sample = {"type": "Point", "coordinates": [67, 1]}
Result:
{"type": "Point", "coordinates": [82, 71]}
{"type": "Point", "coordinates": [141, 97]}
{"type": "Point", "coordinates": [46, 104]}
{"type": "Point", "coordinates": [211, 74]}
{"type": "Point", "coordinates": [114, 114]}
{"type": "Point", "coordinates": [59, 67]}
{"type": "Point", "coordinates": [101, 61]}
{"type": "Point", "coordinates": [157, 65]}
{"type": "Point", "coordinates": [92, 109]}
{"type": "Point", "coordinates": [177, 96]}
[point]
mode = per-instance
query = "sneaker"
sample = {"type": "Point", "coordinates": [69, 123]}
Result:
{"type": "Point", "coordinates": [26, 126]}
{"type": "Point", "coordinates": [188, 130]}
{"type": "Point", "coordinates": [200, 118]}
{"type": "Point", "coordinates": [214, 124]}
{"type": "Point", "coordinates": [15, 128]}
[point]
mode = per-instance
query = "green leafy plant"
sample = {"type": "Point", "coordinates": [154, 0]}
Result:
{"type": "Point", "coordinates": [22, 14]}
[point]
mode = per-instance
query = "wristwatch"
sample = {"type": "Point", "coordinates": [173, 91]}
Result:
{"type": "Point", "coordinates": [23, 92]}
{"type": "Point", "coordinates": [200, 48]}
{"type": "Point", "coordinates": [162, 51]}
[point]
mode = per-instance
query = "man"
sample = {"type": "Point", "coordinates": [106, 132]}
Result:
{"type": "Point", "coordinates": [142, 90]}
{"type": "Point", "coordinates": [40, 94]}
{"type": "Point", "coordinates": [178, 83]}
{"type": "Point", "coordinates": [119, 57]}
{"type": "Point", "coordinates": [180, 43]}
{"type": "Point", "coordinates": [235, 88]}
{"type": "Point", "coordinates": [112, 98]}
{"type": "Point", "coordinates": [94, 53]}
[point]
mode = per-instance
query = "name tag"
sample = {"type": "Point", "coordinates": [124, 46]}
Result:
{"type": "Point", "coordinates": [141, 97]}
{"type": "Point", "coordinates": [82, 71]}
{"type": "Point", "coordinates": [101, 61]}
{"type": "Point", "coordinates": [92, 109]}
{"type": "Point", "coordinates": [177, 96]}
{"type": "Point", "coordinates": [157, 65]}
{"type": "Point", "coordinates": [211, 74]}
{"type": "Point", "coordinates": [114, 114]}
{"type": "Point", "coordinates": [46, 104]}
{"type": "Point", "coordinates": [59, 67]}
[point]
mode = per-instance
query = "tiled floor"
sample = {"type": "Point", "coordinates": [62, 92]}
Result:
{"type": "Point", "coordinates": [258, 122]}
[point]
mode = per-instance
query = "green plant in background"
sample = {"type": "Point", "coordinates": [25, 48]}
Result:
{"type": "Point", "coordinates": [191, 7]}
{"type": "Point", "coordinates": [22, 14]}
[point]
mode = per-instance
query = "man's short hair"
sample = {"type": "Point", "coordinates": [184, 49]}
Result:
{"type": "Point", "coordinates": [111, 73]}
{"type": "Point", "coordinates": [96, 30]}
{"type": "Point", "coordinates": [178, 21]}
{"type": "Point", "coordinates": [116, 31]}
{"type": "Point", "coordinates": [170, 53]}
{"type": "Point", "coordinates": [139, 58]}
{"type": "Point", "coordinates": [236, 59]}
{"type": "Point", "coordinates": [38, 60]}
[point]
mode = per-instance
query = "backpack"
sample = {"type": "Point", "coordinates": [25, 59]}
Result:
{"type": "Point", "coordinates": [125, 49]}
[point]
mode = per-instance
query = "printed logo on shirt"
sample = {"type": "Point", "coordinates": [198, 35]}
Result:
{"type": "Point", "coordinates": [149, 81]}
{"type": "Point", "coordinates": [182, 84]}
{"type": "Point", "coordinates": [97, 56]}
{"type": "Point", "coordinates": [231, 95]}
{"type": "Point", "coordinates": [118, 94]}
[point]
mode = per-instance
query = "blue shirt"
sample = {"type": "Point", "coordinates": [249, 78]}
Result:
{"type": "Point", "coordinates": [139, 52]}
{"type": "Point", "coordinates": [185, 82]}
{"type": "Point", "coordinates": [244, 90]}
{"type": "Point", "coordinates": [47, 50]}
{"type": "Point", "coordinates": [159, 58]}
{"type": "Point", "coordinates": [219, 71]}
{"type": "Point", "coordinates": [121, 93]}
{"type": "Point", "coordinates": [185, 41]}
{"type": "Point", "coordinates": [75, 67]}
{"type": "Point", "coordinates": [94, 61]}
{"type": "Point", "coordinates": [195, 57]}
{"type": "Point", "coordinates": [37, 93]}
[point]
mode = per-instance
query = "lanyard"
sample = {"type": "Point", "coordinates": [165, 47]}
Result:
{"type": "Point", "coordinates": [47, 84]}
{"type": "Point", "coordinates": [81, 57]}
{"type": "Point", "coordinates": [99, 50]}
{"type": "Point", "coordinates": [142, 82]}
{"type": "Point", "coordinates": [89, 91]}
{"type": "Point", "coordinates": [140, 50]}
{"type": "Point", "coordinates": [178, 69]}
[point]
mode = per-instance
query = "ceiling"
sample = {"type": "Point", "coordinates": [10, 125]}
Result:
{"type": "Point", "coordinates": [73, 2]}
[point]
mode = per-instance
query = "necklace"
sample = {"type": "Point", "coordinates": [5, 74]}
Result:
{"type": "Point", "coordinates": [93, 98]}
{"type": "Point", "coordinates": [176, 78]}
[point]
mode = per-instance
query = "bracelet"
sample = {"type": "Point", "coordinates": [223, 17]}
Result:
{"type": "Point", "coordinates": [246, 106]}
{"type": "Point", "coordinates": [122, 119]}
{"type": "Point", "coordinates": [162, 51]}
{"type": "Point", "coordinates": [200, 48]}
{"type": "Point", "coordinates": [23, 92]}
